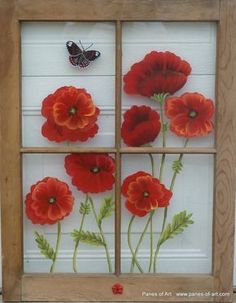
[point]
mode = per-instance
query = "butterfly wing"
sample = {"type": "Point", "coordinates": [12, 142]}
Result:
{"type": "Point", "coordinates": [87, 57]}
{"type": "Point", "coordinates": [91, 55]}
{"type": "Point", "coordinates": [75, 53]}
{"type": "Point", "coordinates": [75, 60]}
{"type": "Point", "coordinates": [83, 61]}
{"type": "Point", "coordinates": [73, 48]}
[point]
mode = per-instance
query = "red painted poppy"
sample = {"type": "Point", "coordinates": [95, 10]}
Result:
{"type": "Point", "coordinates": [71, 115]}
{"type": "Point", "coordinates": [144, 193]}
{"type": "Point", "coordinates": [190, 115]}
{"type": "Point", "coordinates": [117, 289]}
{"type": "Point", "coordinates": [141, 125]}
{"type": "Point", "coordinates": [48, 201]}
{"type": "Point", "coordinates": [158, 72]}
{"type": "Point", "coordinates": [91, 173]}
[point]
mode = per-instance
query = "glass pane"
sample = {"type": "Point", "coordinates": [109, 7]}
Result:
{"type": "Point", "coordinates": [50, 204]}
{"type": "Point", "coordinates": [175, 59]}
{"type": "Point", "coordinates": [184, 246]}
{"type": "Point", "coordinates": [47, 66]}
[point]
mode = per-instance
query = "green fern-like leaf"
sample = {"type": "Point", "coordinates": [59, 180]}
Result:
{"type": "Point", "coordinates": [179, 222]}
{"type": "Point", "coordinates": [177, 166]}
{"type": "Point", "coordinates": [44, 246]}
{"type": "Point", "coordinates": [165, 126]}
{"type": "Point", "coordinates": [87, 237]}
{"type": "Point", "coordinates": [84, 208]}
{"type": "Point", "coordinates": [106, 210]}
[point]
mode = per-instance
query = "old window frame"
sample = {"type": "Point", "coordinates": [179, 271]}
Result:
{"type": "Point", "coordinates": [18, 286]}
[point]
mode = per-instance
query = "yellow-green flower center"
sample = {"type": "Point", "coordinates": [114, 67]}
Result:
{"type": "Point", "coordinates": [192, 114]}
{"type": "Point", "coordinates": [72, 111]}
{"type": "Point", "coordinates": [95, 170]}
{"type": "Point", "coordinates": [52, 200]}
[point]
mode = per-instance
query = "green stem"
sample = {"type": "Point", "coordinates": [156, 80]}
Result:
{"type": "Point", "coordinates": [130, 245]}
{"type": "Point", "coordinates": [57, 246]}
{"type": "Point", "coordinates": [102, 235]}
{"type": "Point", "coordinates": [140, 240]}
{"type": "Point", "coordinates": [151, 243]}
{"type": "Point", "coordinates": [162, 123]}
{"type": "Point", "coordinates": [77, 245]}
{"type": "Point", "coordinates": [163, 157]}
{"type": "Point", "coordinates": [172, 184]}
{"type": "Point", "coordinates": [152, 164]}
{"type": "Point", "coordinates": [164, 219]}
{"type": "Point", "coordinates": [151, 220]}
{"type": "Point", "coordinates": [160, 98]}
{"type": "Point", "coordinates": [155, 256]}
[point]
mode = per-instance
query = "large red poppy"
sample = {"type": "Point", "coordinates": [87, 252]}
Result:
{"type": "Point", "coordinates": [91, 173]}
{"type": "Point", "coordinates": [48, 201]}
{"type": "Point", "coordinates": [71, 115]}
{"type": "Point", "coordinates": [144, 193]}
{"type": "Point", "coordinates": [158, 72]}
{"type": "Point", "coordinates": [141, 125]}
{"type": "Point", "coordinates": [190, 115]}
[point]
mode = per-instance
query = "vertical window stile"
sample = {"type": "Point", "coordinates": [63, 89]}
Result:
{"type": "Point", "coordinates": [117, 145]}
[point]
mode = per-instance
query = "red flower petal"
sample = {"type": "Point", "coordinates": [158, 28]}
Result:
{"type": "Point", "coordinates": [174, 106]}
{"type": "Point", "coordinates": [164, 201]}
{"type": "Point", "coordinates": [190, 115]}
{"type": "Point", "coordinates": [53, 132]}
{"type": "Point", "coordinates": [91, 172]}
{"type": "Point", "coordinates": [129, 179]}
{"type": "Point", "coordinates": [71, 115]}
{"type": "Point", "coordinates": [54, 213]}
{"type": "Point", "coordinates": [144, 193]}
{"type": "Point", "coordinates": [49, 201]}
{"type": "Point", "coordinates": [85, 105]}
{"type": "Point", "coordinates": [117, 289]}
{"type": "Point", "coordinates": [81, 134]}
{"type": "Point", "coordinates": [58, 133]}
{"type": "Point", "coordinates": [47, 106]}
{"type": "Point", "coordinates": [158, 72]}
{"type": "Point", "coordinates": [134, 210]}
{"type": "Point", "coordinates": [63, 118]}
{"type": "Point", "coordinates": [141, 125]}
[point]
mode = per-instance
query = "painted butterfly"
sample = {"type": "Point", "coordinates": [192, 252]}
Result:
{"type": "Point", "coordinates": [81, 57]}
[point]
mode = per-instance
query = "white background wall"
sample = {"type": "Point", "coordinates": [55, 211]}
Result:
{"type": "Point", "coordinates": [45, 67]}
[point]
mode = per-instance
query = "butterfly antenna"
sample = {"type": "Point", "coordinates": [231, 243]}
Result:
{"type": "Point", "coordinates": [81, 45]}
{"type": "Point", "coordinates": [89, 46]}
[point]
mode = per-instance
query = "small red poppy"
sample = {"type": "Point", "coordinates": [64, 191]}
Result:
{"type": "Point", "coordinates": [158, 72]}
{"type": "Point", "coordinates": [91, 173]}
{"type": "Point", "coordinates": [48, 201]}
{"type": "Point", "coordinates": [71, 115]}
{"type": "Point", "coordinates": [190, 115]}
{"type": "Point", "coordinates": [144, 193]}
{"type": "Point", "coordinates": [117, 289]}
{"type": "Point", "coordinates": [141, 125]}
